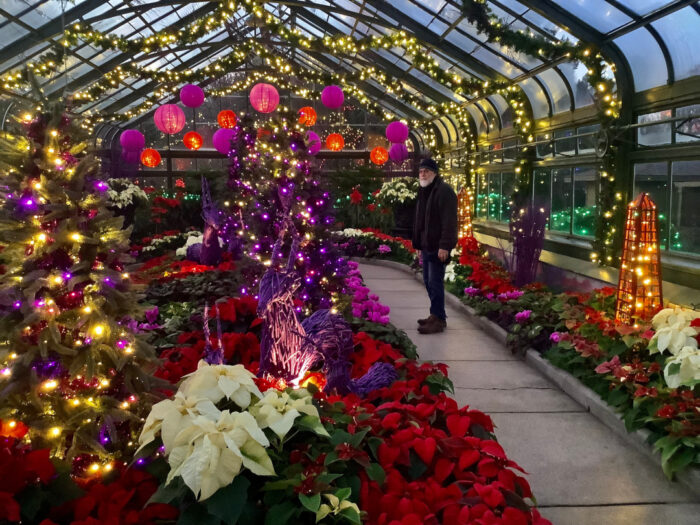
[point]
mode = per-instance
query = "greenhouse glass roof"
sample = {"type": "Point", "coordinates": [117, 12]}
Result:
{"type": "Point", "coordinates": [651, 43]}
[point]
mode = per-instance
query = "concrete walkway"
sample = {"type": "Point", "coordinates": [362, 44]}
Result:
{"type": "Point", "coordinates": [581, 473]}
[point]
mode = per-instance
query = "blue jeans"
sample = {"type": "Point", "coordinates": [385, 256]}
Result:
{"type": "Point", "coordinates": [434, 279]}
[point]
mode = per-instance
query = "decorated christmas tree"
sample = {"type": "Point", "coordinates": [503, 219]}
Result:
{"type": "Point", "coordinates": [70, 368]}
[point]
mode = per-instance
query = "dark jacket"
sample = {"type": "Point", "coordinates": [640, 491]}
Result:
{"type": "Point", "coordinates": [439, 220]}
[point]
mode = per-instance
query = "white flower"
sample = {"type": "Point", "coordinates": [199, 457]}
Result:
{"type": "Point", "coordinates": [673, 316]}
{"type": "Point", "coordinates": [209, 454]}
{"type": "Point", "coordinates": [450, 274]}
{"type": "Point", "coordinates": [689, 372]}
{"type": "Point", "coordinates": [278, 410]}
{"type": "Point", "coordinates": [215, 382]}
{"type": "Point", "coordinates": [673, 338]}
{"type": "Point", "coordinates": [170, 415]}
{"type": "Point", "coordinates": [122, 192]}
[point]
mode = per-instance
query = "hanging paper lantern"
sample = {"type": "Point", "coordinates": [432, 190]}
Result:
{"type": "Point", "coordinates": [193, 140]}
{"type": "Point", "coordinates": [150, 158]}
{"type": "Point", "coordinates": [222, 140]}
{"type": "Point", "coordinates": [191, 96]}
{"type": "Point", "coordinates": [132, 140]}
{"type": "Point", "coordinates": [307, 116]}
{"type": "Point", "coordinates": [398, 153]}
{"type": "Point", "coordinates": [379, 155]}
{"type": "Point", "coordinates": [226, 119]}
{"type": "Point", "coordinates": [313, 142]}
{"type": "Point", "coordinates": [332, 97]}
{"type": "Point", "coordinates": [264, 97]}
{"type": "Point", "coordinates": [169, 118]}
{"type": "Point", "coordinates": [397, 132]}
{"type": "Point", "coordinates": [335, 142]}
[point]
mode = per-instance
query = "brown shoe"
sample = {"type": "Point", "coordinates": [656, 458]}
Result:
{"type": "Point", "coordinates": [421, 322]}
{"type": "Point", "coordinates": [433, 326]}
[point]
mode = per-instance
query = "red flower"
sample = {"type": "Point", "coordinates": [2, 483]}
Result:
{"type": "Point", "coordinates": [666, 411]}
{"type": "Point", "coordinates": [355, 197]}
{"type": "Point", "coordinates": [9, 508]}
{"type": "Point", "coordinates": [371, 207]}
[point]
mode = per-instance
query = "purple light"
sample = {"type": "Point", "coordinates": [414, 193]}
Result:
{"type": "Point", "coordinates": [17, 304]}
{"type": "Point", "coordinates": [28, 202]}
{"type": "Point", "coordinates": [122, 343]}
{"type": "Point", "coordinates": [140, 461]}
{"type": "Point", "coordinates": [101, 186]}
{"type": "Point", "coordinates": [67, 276]}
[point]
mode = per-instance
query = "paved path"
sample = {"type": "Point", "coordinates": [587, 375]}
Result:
{"type": "Point", "coordinates": [579, 470]}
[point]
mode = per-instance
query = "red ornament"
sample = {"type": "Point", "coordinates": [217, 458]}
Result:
{"type": "Point", "coordinates": [379, 155]}
{"type": "Point", "coordinates": [335, 142]}
{"type": "Point", "coordinates": [307, 116]}
{"type": "Point", "coordinates": [150, 158]}
{"type": "Point", "coordinates": [192, 140]}
{"type": "Point", "coordinates": [355, 196]}
{"type": "Point", "coordinates": [227, 119]}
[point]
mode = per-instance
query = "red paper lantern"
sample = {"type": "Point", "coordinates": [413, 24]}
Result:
{"type": "Point", "coordinates": [307, 116]}
{"type": "Point", "coordinates": [335, 142]}
{"type": "Point", "coordinates": [192, 140]}
{"type": "Point", "coordinates": [379, 156]}
{"type": "Point", "coordinates": [264, 97]}
{"type": "Point", "coordinates": [169, 118]}
{"type": "Point", "coordinates": [150, 158]}
{"type": "Point", "coordinates": [226, 119]}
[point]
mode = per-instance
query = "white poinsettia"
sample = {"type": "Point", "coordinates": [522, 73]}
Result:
{"type": "Point", "coordinates": [209, 454]}
{"type": "Point", "coordinates": [687, 369]}
{"type": "Point", "coordinates": [673, 338]}
{"type": "Point", "coordinates": [216, 382]}
{"type": "Point", "coordinates": [399, 190]}
{"type": "Point", "coordinates": [171, 415]}
{"type": "Point", "coordinates": [278, 410]}
{"type": "Point", "coordinates": [354, 232]}
{"type": "Point", "coordinates": [450, 275]}
{"type": "Point", "coordinates": [669, 317]}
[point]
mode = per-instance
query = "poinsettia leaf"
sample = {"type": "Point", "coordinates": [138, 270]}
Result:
{"type": "Point", "coordinates": [281, 484]}
{"type": "Point", "coordinates": [374, 443]}
{"type": "Point", "coordinates": [351, 515]}
{"type": "Point", "coordinates": [30, 501]}
{"type": "Point", "coordinates": [375, 472]}
{"type": "Point", "coordinates": [281, 513]}
{"type": "Point", "coordinates": [343, 493]}
{"type": "Point", "coordinates": [513, 500]}
{"type": "Point", "coordinates": [340, 436]}
{"type": "Point", "coordinates": [356, 439]}
{"type": "Point", "coordinates": [327, 478]}
{"type": "Point", "coordinates": [227, 502]}
{"type": "Point", "coordinates": [417, 467]}
{"type": "Point", "coordinates": [311, 503]}
{"type": "Point", "coordinates": [63, 489]}
{"type": "Point", "coordinates": [313, 424]}
{"type": "Point", "coordinates": [173, 491]}
{"type": "Point", "coordinates": [196, 514]}
{"type": "Point", "coordinates": [679, 461]}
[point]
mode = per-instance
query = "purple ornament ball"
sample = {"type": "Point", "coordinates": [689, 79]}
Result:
{"type": "Point", "coordinates": [397, 132]}
{"type": "Point", "coordinates": [132, 140]}
{"type": "Point", "coordinates": [398, 153]}
{"type": "Point", "coordinates": [191, 96]}
{"type": "Point", "coordinates": [332, 97]}
{"type": "Point", "coordinates": [313, 142]}
{"type": "Point", "coordinates": [222, 140]}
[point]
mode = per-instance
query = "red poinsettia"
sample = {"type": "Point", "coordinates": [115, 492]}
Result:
{"type": "Point", "coordinates": [355, 197]}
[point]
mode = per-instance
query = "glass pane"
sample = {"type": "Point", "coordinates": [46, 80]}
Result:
{"type": "Point", "coordinates": [688, 131]}
{"type": "Point", "coordinates": [645, 58]}
{"type": "Point", "coordinates": [597, 13]}
{"type": "Point", "coordinates": [481, 127]}
{"type": "Point", "coordinates": [652, 178]}
{"type": "Point", "coordinates": [575, 73]}
{"type": "Point", "coordinates": [654, 135]}
{"type": "Point", "coordinates": [680, 32]}
{"type": "Point", "coordinates": [685, 212]}
{"type": "Point", "coordinates": [587, 144]}
{"type": "Point", "coordinates": [482, 191]}
{"type": "Point", "coordinates": [493, 120]}
{"type": "Point", "coordinates": [538, 99]}
{"type": "Point", "coordinates": [545, 148]}
{"type": "Point", "coordinates": [504, 111]}
{"type": "Point", "coordinates": [561, 199]}
{"type": "Point", "coordinates": [585, 190]}
{"type": "Point", "coordinates": [564, 145]}
{"type": "Point", "coordinates": [508, 183]}
{"type": "Point", "coordinates": [642, 7]}
{"type": "Point", "coordinates": [557, 90]}
{"type": "Point", "coordinates": [494, 201]}
{"type": "Point", "coordinates": [542, 190]}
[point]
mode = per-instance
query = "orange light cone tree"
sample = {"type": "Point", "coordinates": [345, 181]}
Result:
{"type": "Point", "coordinates": [639, 294]}
{"type": "Point", "coordinates": [464, 213]}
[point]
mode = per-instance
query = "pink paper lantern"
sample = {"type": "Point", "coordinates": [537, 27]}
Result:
{"type": "Point", "coordinates": [191, 96]}
{"type": "Point", "coordinates": [132, 140]}
{"type": "Point", "coordinates": [313, 142]}
{"type": "Point", "coordinates": [222, 140]}
{"type": "Point", "coordinates": [397, 132]}
{"type": "Point", "coordinates": [332, 97]}
{"type": "Point", "coordinates": [398, 153]}
{"type": "Point", "coordinates": [264, 98]}
{"type": "Point", "coordinates": [169, 118]}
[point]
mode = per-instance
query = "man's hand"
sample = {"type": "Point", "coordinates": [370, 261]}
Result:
{"type": "Point", "coordinates": [443, 255]}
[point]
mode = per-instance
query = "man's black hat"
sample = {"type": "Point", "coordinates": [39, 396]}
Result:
{"type": "Point", "coordinates": [429, 164]}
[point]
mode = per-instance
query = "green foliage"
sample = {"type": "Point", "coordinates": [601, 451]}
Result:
{"type": "Point", "coordinates": [388, 334]}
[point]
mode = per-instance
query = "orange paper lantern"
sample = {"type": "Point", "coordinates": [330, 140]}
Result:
{"type": "Point", "coordinates": [335, 142]}
{"type": "Point", "coordinates": [150, 158]}
{"type": "Point", "coordinates": [227, 119]}
{"type": "Point", "coordinates": [379, 156]}
{"type": "Point", "coordinates": [307, 116]}
{"type": "Point", "coordinates": [192, 140]}
{"type": "Point", "coordinates": [639, 294]}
